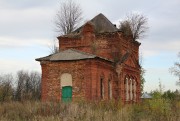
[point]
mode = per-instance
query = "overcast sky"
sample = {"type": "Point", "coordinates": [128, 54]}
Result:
{"type": "Point", "coordinates": [27, 29]}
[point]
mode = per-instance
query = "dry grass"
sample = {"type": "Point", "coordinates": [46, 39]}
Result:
{"type": "Point", "coordinates": [84, 111]}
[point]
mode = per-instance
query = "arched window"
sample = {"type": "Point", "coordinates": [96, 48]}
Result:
{"type": "Point", "coordinates": [135, 90]}
{"type": "Point", "coordinates": [131, 88]}
{"type": "Point", "coordinates": [102, 88]}
{"type": "Point", "coordinates": [127, 89]}
{"type": "Point", "coordinates": [66, 87]}
{"type": "Point", "coordinates": [66, 80]}
{"type": "Point", "coordinates": [110, 89]}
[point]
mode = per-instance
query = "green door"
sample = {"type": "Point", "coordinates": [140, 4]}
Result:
{"type": "Point", "coordinates": [66, 93]}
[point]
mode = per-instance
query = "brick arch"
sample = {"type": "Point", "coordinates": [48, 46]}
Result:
{"type": "Point", "coordinates": [75, 88]}
{"type": "Point", "coordinates": [66, 79]}
{"type": "Point", "coordinates": [137, 83]}
{"type": "Point", "coordinates": [110, 77]}
{"type": "Point", "coordinates": [126, 76]}
{"type": "Point", "coordinates": [131, 76]}
{"type": "Point", "coordinates": [67, 71]}
{"type": "Point", "coordinates": [129, 88]}
{"type": "Point", "coordinates": [102, 75]}
{"type": "Point", "coordinates": [66, 86]}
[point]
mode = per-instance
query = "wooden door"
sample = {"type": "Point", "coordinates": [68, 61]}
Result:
{"type": "Point", "coordinates": [66, 93]}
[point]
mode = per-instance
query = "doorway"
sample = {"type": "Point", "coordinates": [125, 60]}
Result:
{"type": "Point", "coordinates": [67, 93]}
{"type": "Point", "coordinates": [66, 87]}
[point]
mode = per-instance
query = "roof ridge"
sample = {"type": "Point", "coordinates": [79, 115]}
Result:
{"type": "Point", "coordinates": [82, 52]}
{"type": "Point", "coordinates": [101, 15]}
{"type": "Point", "coordinates": [101, 24]}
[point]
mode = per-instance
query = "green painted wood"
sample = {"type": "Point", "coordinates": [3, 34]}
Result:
{"type": "Point", "coordinates": [67, 94]}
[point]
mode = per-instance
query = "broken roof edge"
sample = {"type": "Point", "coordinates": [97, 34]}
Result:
{"type": "Point", "coordinates": [78, 35]}
{"type": "Point", "coordinates": [84, 55]}
{"type": "Point", "coordinates": [97, 57]}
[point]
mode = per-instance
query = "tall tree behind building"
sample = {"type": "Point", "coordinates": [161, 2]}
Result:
{"type": "Point", "coordinates": [134, 25]}
{"type": "Point", "coordinates": [6, 89]}
{"type": "Point", "coordinates": [67, 20]}
{"type": "Point", "coordinates": [28, 85]}
{"type": "Point", "coordinates": [68, 17]}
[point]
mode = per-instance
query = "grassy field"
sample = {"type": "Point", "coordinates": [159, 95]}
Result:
{"type": "Point", "coordinates": [152, 110]}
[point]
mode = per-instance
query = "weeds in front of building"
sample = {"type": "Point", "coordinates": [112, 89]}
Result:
{"type": "Point", "coordinates": [149, 110]}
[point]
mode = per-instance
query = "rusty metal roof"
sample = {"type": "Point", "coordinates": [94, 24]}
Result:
{"type": "Point", "coordinates": [70, 54]}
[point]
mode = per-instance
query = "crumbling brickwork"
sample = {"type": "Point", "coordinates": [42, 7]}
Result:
{"type": "Point", "coordinates": [110, 71]}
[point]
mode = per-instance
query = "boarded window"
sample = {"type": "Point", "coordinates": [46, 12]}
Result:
{"type": "Point", "coordinates": [134, 90]}
{"type": "Point", "coordinates": [131, 89]}
{"type": "Point", "coordinates": [66, 86]}
{"type": "Point", "coordinates": [66, 80]}
{"type": "Point", "coordinates": [127, 90]}
{"type": "Point", "coordinates": [102, 88]}
{"type": "Point", "coordinates": [109, 89]}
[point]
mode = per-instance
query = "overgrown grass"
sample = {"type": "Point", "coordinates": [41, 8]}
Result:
{"type": "Point", "coordinates": [152, 110]}
{"type": "Point", "coordinates": [157, 110]}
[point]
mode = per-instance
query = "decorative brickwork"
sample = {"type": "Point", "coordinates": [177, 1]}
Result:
{"type": "Point", "coordinates": [106, 66]}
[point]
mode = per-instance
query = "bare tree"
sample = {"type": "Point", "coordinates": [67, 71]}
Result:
{"type": "Point", "coordinates": [22, 78]}
{"type": "Point", "coordinates": [53, 47]}
{"type": "Point", "coordinates": [68, 17]}
{"type": "Point", "coordinates": [135, 25]}
{"type": "Point", "coordinates": [176, 69]}
{"type": "Point", "coordinates": [28, 85]}
{"type": "Point", "coordinates": [6, 90]}
{"type": "Point", "coordinates": [35, 79]}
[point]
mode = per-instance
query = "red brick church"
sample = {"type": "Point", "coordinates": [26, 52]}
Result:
{"type": "Point", "coordinates": [95, 62]}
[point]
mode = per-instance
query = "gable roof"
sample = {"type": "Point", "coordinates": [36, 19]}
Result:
{"type": "Point", "coordinates": [101, 24]}
{"type": "Point", "coordinates": [70, 54]}
{"type": "Point", "coordinates": [127, 56]}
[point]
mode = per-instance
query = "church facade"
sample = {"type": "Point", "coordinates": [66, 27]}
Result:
{"type": "Point", "coordinates": [95, 62]}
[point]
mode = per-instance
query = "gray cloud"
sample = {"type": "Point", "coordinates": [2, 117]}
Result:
{"type": "Point", "coordinates": [24, 4]}
{"type": "Point", "coordinates": [29, 23]}
{"type": "Point", "coordinates": [34, 22]}
{"type": "Point", "coordinates": [19, 43]}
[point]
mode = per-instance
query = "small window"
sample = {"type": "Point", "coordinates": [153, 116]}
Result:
{"type": "Point", "coordinates": [131, 89]}
{"type": "Point", "coordinates": [102, 88]}
{"type": "Point", "coordinates": [109, 89]}
{"type": "Point", "coordinates": [127, 89]}
{"type": "Point", "coordinates": [134, 90]}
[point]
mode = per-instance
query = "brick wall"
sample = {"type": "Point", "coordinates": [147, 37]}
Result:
{"type": "Point", "coordinates": [107, 45]}
{"type": "Point", "coordinates": [86, 74]}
